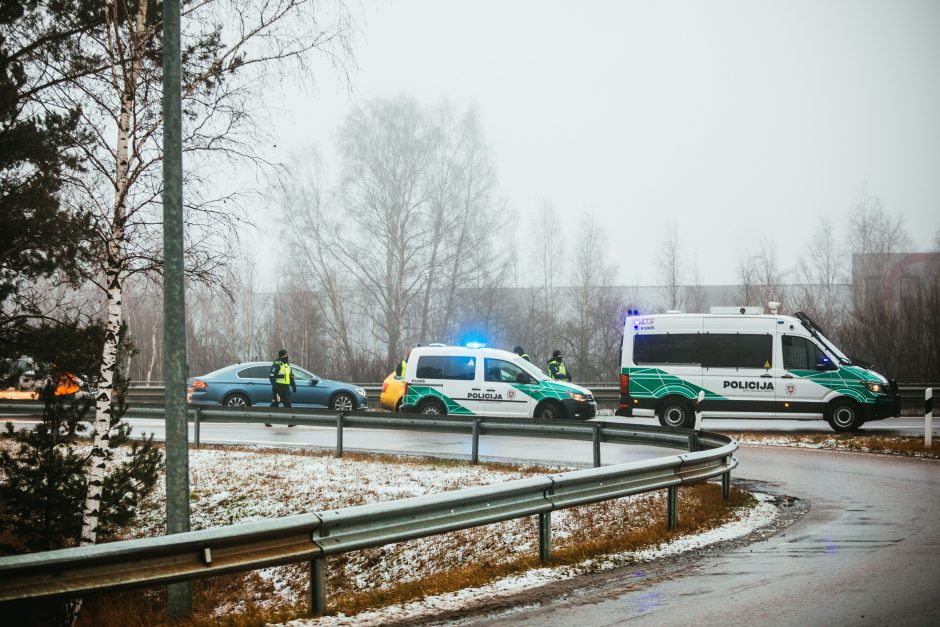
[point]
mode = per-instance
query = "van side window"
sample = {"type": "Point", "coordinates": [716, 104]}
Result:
{"type": "Point", "coordinates": [719, 350]}
{"type": "Point", "coordinates": [672, 348]}
{"type": "Point", "coordinates": [799, 353]}
{"type": "Point", "coordinates": [755, 351]}
{"type": "Point", "coordinates": [501, 371]}
{"type": "Point", "coordinates": [460, 368]}
{"type": "Point", "coordinates": [430, 367]}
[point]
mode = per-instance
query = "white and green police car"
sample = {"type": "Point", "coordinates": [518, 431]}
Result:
{"type": "Point", "coordinates": [488, 382]}
{"type": "Point", "coordinates": [748, 366]}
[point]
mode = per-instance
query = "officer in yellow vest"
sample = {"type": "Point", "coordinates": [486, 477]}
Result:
{"type": "Point", "coordinates": [556, 367]}
{"type": "Point", "coordinates": [401, 368]}
{"type": "Point", "coordinates": [282, 380]}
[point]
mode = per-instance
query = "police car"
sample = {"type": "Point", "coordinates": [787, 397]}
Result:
{"type": "Point", "coordinates": [748, 366]}
{"type": "Point", "coordinates": [480, 381]}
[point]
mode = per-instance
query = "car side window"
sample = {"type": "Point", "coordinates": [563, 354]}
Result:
{"type": "Point", "coordinates": [500, 371]}
{"type": "Point", "coordinates": [302, 375]}
{"type": "Point", "coordinates": [255, 372]}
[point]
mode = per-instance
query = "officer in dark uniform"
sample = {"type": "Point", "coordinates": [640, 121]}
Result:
{"type": "Point", "coordinates": [518, 350]}
{"type": "Point", "coordinates": [282, 380]}
{"type": "Point", "coordinates": [556, 367]}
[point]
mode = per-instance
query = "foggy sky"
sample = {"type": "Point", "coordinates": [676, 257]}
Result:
{"type": "Point", "coordinates": [737, 120]}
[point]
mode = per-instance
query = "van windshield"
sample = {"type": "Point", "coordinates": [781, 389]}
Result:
{"type": "Point", "coordinates": [531, 368]}
{"type": "Point", "coordinates": [832, 347]}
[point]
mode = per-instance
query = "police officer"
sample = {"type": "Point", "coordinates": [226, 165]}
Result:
{"type": "Point", "coordinates": [556, 367]}
{"type": "Point", "coordinates": [282, 380]}
{"type": "Point", "coordinates": [401, 368]}
{"type": "Point", "coordinates": [518, 350]}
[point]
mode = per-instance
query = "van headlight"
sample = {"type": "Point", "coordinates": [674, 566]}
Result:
{"type": "Point", "coordinates": [577, 396]}
{"type": "Point", "coordinates": [875, 387]}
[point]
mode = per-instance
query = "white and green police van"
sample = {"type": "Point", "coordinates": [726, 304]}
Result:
{"type": "Point", "coordinates": [749, 366]}
{"type": "Point", "coordinates": [469, 381]}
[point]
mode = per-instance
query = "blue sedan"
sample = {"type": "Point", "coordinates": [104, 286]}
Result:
{"type": "Point", "coordinates": [244, 385]}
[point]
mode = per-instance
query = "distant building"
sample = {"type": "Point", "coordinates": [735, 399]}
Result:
{"type": "Point", "coordinates": [891, 278]}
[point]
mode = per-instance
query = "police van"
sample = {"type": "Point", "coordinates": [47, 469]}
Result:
{"type": "Point", "coordinates": [748, 366]}
{"type": "Point", "coordinates": [472, 381]}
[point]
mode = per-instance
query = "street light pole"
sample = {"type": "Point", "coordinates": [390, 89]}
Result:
{"type": "Point", "coordinates": [180, 595]}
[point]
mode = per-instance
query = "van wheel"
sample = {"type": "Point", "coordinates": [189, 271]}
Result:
{"type": "Point", "coordinates": [844, 415]}
{"type": "Point", "coordinates": [550, 410]}
{"type": "Point", "coordinates": [432, 408]}
{"type": "Point", "coordinates": [675, 413]}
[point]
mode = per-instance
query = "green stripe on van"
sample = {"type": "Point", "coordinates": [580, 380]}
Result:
{"type": "Point", "coordinates": [847, 380]}
{"type": "Point", "coordinates": [543, 390]}
{"type": "Point", "coordinates": [417, 392]}
{"type": "Point", "coordinates": [656, 383]}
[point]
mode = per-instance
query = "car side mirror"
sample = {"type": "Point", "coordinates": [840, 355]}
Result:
{"type": "Point", "coordinates": [314, 381]}
{"type": "Point", "coordinates": [523, 378]}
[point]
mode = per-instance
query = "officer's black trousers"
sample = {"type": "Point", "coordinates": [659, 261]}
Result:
{"type": "Point", "coordinates": [282, 391]}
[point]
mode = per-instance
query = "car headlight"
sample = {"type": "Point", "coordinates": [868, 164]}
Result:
{"type": "Point", "coordinates": [875, 387]}
{"type": "Point", "coordinates": [577, 396]}
{"type": "Point", "coordinates": [360, 391]}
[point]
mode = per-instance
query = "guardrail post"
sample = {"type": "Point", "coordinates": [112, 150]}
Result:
{"type": "Point", "coordinates": [196, 426]}
{"type": "Point", "coordinates": [545, 536]}
{"type": "Point", "coordinates": [339, 434]}
{"type": "Point", "coordinates": [672, 506]}
{"type": "Point", "coordinates": [726, 485]}
{"type": "Point", "coordinates": [475, 451]}
{"type": "Point", "coordinates": [318, 586]}
{"type": "Point", "coordinates": [693, 442]}
{"type": "Point", "coordinates": [928, 417]}
{"type": "Point", "coordinates": [597, 445]}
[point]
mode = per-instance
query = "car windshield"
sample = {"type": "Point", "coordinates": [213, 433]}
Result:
{"type": "Point", "coordinates": [216, 373]}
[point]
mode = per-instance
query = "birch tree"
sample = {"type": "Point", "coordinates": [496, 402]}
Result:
{"type": "Point", "coordinates": [385, 147]}
{"type": "Point", "coordinates": [670, 267]}
{"type": "Point", "coordinates": [228, 48]}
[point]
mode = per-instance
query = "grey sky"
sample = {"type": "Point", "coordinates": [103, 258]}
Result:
{"type": "Point", "coordinates": [739, 120]}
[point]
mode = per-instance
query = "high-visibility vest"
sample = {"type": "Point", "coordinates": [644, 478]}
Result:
{"type": "Point", "coordinates": [283, 373]}
{"type": "Point", "coordinates": [562, 371]}
{"type": "Point", "coordinates": [525, 356]}
{"type": "Point", "coordinates": [404, 366]}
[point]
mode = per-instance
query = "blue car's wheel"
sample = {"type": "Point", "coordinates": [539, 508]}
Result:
{"type": "Point", "coordinates": [237, 400]}
{"type": "Point", "coordinates": [343, 402]}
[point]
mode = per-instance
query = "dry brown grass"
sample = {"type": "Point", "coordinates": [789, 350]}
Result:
{"type": "Point", "coordinates": [468, 558]}
{"type": "Point", "coordinates": [907, 446]}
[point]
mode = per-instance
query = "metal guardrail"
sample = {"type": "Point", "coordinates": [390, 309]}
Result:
{"type": "Point", "coordinates": [310, 537]}
{"type": "Point", "coordinates": [605, 393]}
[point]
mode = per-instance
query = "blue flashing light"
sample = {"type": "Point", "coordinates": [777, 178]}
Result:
{"type": "Point", "coordinates": [476, 345]}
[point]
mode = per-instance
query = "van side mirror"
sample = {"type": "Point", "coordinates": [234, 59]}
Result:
{"type": "Point", "coordinates": [523, 378]}
{"type": "Point", "coordinates": [824, 363]}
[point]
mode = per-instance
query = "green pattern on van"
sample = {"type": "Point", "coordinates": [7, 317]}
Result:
{"type": "Point", "coordinates": [543, 390]}
{"type": "Point", "coordinates": [418, 392]}
{"type": "Point", "coordinates": [656, 383]}
{"type": "Point", "coordinates": [847, 380]}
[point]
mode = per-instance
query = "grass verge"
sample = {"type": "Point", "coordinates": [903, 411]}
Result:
{"type": "Point", "coordinates": [906, 446]}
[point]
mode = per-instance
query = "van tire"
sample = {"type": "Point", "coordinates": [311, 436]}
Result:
{"type": "Point", "coordinates": [675, 412]}
{"type": "Point", "coordinates": [844, 414]}
{"type": "Point", "coordinates": [432, 408]}
{"type": "Point", "coordinates": [550, 410]}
